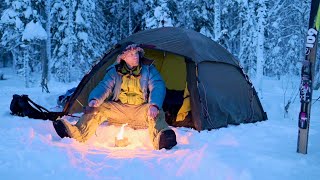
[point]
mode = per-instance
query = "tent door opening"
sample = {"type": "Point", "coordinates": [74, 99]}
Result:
{"type": "Point", "coordinates": [173, 70]}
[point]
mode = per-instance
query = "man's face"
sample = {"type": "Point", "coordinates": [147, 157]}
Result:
{"type": "Point", "coordinates": [132, 58]}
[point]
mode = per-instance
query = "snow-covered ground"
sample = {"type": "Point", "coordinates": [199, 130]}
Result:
{"type": "Point", "coordinates": [30, 149]}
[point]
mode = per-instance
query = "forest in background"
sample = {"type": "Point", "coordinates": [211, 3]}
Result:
{"type": "Point", "coordinates": [266, 36]}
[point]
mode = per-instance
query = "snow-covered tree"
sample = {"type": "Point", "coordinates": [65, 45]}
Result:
{"type": "Point", "coordinates": [286, 33]}
{"type": "Point", "coordinates": [157, 14]}
{"type": "Point", "coordinates": [261, 23]}
{"type": "Point", "coordinates": [99, 30]}
{"type": "Point", "coordinates": [267, 36]}
{"type": "Point", "coordinates": [119, 20]}
{"type": "Point", "coordinates": [22, 33]}
{"type": "Point", "coordinates": [12, 26]}
{"type": "Point", "coordinates": [84, 50]}
{"type": "Point", "coordinates": [2, 50]}
{"type": "Point", "coordinates": [115, 14]}
{"type": "Point", "coordinates": [247, 51]}
{"type": "Point", "coordinates": [197, 16]}
{"type": "Point", "coordinates": [79, 37]}
{"type": "Point", "coordinates": [183, 17]}
{"type": "Point", "coordinates": [63, 39]}
{"type": "Point", "coordinates": [231, 26]}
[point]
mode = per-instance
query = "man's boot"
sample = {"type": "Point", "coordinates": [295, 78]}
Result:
{"type": "Point", "coordinates": [60, 128]}
{"type": "Point", "coordinates": [167, 139]}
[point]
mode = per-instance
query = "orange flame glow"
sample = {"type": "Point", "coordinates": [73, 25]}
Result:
{"type": "Point", "coordinates": [120, 134]}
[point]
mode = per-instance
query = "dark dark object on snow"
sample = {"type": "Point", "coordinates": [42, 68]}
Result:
{"type": "Point", "coordinates": [24, 106]}
{"type": "Point", "coordinates": [60, 128]}
{"type": "Point", "coordinates": [64, 98]}
{"type": "Point", "coordinates": [171, 104]}
{"type": "Point", "coordinates": [167, 139]}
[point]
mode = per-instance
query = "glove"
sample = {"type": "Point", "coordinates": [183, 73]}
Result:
{"type": "Point", "coordinates": [93, 103]}
{"type": "Point", "coordinates": [153, 112]}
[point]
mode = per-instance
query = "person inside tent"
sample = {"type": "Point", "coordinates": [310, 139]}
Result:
{"type": "Point", "coordinates": [132, 91]}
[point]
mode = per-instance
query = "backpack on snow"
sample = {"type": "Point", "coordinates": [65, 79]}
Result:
{"type": "Point", "coordinates": [65, 97]}
{"type": "Point", "coordinates": [22, 105]}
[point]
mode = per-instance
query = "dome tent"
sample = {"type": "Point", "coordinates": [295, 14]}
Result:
{"type": "Point", "coordinates": [219, 91]}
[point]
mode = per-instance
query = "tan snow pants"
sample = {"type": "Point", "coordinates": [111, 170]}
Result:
{"type": "Point", "coordinates": [118, 113]}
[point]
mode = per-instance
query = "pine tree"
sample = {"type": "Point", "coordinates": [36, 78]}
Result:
{"type": "Point", "coordinates": [197, 16]}
{"type": "Point", "coordinates": [63, 39]}
{"type": "Point", "coordinates": [2, 49]}
{"type": "Point", "coordinates": [231, 26]}
{"type": "Point", "coordinates": [261, 23]}
{"type": "Point", "coordinates": [286, 29]}
{"type": "Point", "coordinates": [118, 21]}
{"type": "Point", "coordinates": [79, 37]}
{"type": "Point", "coordinates": [99, 30]}
{"type": "Point", "coordinates": [247, 53]}
{"type": "Point", "coordinates": [116, 16]}
{"type": "Point", "coordinates": [157, 15]}
{"type": "Point", "coordinates": [84, 49]}
{"type": "Point", "coordinates": [183, 17]}
{"type": "Point", "coordinates": [17, 20]}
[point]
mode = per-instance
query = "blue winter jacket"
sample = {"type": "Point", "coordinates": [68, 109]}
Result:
{"type": "Point", "coordinates": [152, 84]}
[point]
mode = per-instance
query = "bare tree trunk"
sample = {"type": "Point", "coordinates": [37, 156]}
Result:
{"type": "Point", "coordinates": [46, 49]}
{"type": "Point", "coordinates": [26, 67]}
{"type": "Point", "coordinates": [14, 60]}
{"type": "Point", "coordinates": [130, 21]}
{"type": "Point", "coordinates": [260, 43]}
{"type": "Point", "coordinates": [217, 20]}
{"type": "Point", "coordinates": [70, 41]}
{"type": "Point", "coordinates": [241, 48]}
{"type": "Point", "coordinates": [44, 58]}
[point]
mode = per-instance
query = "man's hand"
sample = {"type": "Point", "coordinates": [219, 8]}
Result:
{"type": "Point", "coordinates": [93, 103]}
{"type": "Point", "coordinates": [91, 108]}
{"type": "Point", "coordinates": [153, 112]}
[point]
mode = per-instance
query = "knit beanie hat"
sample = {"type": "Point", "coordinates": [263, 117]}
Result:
{"type": "Point", "coordinates": [132, 47]}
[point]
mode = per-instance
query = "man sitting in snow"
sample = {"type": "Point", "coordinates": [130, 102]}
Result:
{"type": "Point", "coordinates": [135, 92]}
